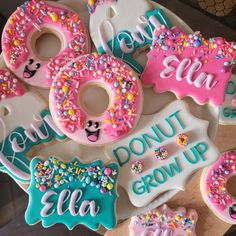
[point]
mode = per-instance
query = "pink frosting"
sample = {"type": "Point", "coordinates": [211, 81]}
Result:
{"type": "Point", "coordinates": [115, 122]}
{"type": "Point", "coordinates": [9, 85]}
{"type": "Point", "coordinates": [35, 16]}
{"type": "Point", "coordinates": [164, 221]}
{"type": "Point", "coordinates": [189, 65]}
{"type": "Point", "coordinates": [215, 187]}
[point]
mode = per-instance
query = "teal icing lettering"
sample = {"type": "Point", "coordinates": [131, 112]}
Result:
{"type": "Point", "coordinates": [139, 190]}
{"type": "Point", "coordinates": [193, 160]}
{"type": "Point", "coordinates": [159, 176]}
{"type": "Point", "coordinates": [176, 116]}
{"type": "Point", "coordinates": [148, 137]}
{"type": "Point", "coordinates": [197, 151]}
{"type": "Point", "coordinates": [229, 113]}
{"type": "Point", "coordinates": [173, 168]}
{"type": "Point", "coordinates": [120, 158]}
{"type": "Point", "coordinates": [231, 88]}
{"type": "Point", "coordinates": [200, 149]}
{"type": "Point", "coordinates": [133, 148]}
{"type": "Point", "coordinates": [125, 43]}
{"type": "Point", "coordinates": [147, 181]}
{"type": "Point", "coordinates": [158, 172]}
{"type": "Point", "coordinates": [164, 133]}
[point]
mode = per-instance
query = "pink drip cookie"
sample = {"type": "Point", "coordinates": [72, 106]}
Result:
{"type": "Point", "coordinates": [30, 21]}
{"type": "Point", "coordinates": [190, 65]}
{"type": "Point", "coordinates": [120, 83]}
{"type": "Point", "coordinates": [214, 187]}
{"type": "Point", "coordinates": [9, 85]}
{"type": "Point", "coordinates": [164, 221]}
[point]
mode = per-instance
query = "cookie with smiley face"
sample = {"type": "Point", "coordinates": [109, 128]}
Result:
{"type": "Point", "coordinates": [125, 99]}
{"type": "Point", "coordinates": [27, 24]}
{"type": "Point", "coordinates": [31, 69]}
{"type": "Point", "coordinates": [92, 130]}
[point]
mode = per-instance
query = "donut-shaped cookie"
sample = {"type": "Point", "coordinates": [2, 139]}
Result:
{"type": "Point", "coordinates": [30, 21]}
{"type": "Point", "coordinates": [214, 187]}
{"type": "Point", "coordinates": [120, 83]}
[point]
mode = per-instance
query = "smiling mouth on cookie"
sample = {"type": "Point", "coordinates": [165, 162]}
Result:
{"type": "Point", "coordinates": [28, 73]}
{"type": "Point", "coordinates": [92, 135]}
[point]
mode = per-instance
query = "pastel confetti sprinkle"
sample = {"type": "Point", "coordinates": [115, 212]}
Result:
{"type": "Point", "coordinates": [137, 167]}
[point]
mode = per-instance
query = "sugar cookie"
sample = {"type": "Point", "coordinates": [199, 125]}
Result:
{"type": "Point", "coordinates": [189, 65]}
{"type": "Point", "coordinates": [26, 25]}
{"type": "Point", "coordinates": [159, 176]}
{"type": "Point", "coordinates": [122, 86]}
{"type": "Point", "coordinates": [72, 193]}
{"type": "Point", "coordinates": [214, 187]}
{"type": "Point", "coordinates": [123, 33]}
{"type": "Point", "coordinates": [164, 221]}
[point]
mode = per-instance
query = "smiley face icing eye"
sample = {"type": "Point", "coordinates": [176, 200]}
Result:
{"type": "Point", "coordinates": [31, 61]}
{"type": "Point", "coordinates": [89, 123]}
{"type": "Point", "coordinates": [96, 125]}
{"type": "Point", "coordinates": [37, 66]}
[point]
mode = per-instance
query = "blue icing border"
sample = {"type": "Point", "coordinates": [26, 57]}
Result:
{"type": "Point", "coordinates": [128, 57]}
{"type": "Point", "coordinates": [104, 202]}
{"type": "Point", "coordinates": [20, 160]}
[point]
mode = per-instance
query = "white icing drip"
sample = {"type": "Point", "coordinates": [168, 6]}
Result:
{"type": "Point", "coordinates": [184, 64]}
{"type": "Point", "coordinates": [63, 197]}
{"type": "Point", "coordinates": [88, 206]}
{"type": "Point", "coordinates": [102, 40]}
{"type": "Point", "coordinates": [47, 205]}
{"type": "Point", "coordinates": [193, 69]}
{"type": "Point", "coordinates": [48, 119]}
{"type": "Point", "coordinates": [205, 78]}
{"type": "Point", "coordinates": [30, 136]}
{"type": "Point", "coordinates": [128, 47]}
{"type": "Point", "coordinates": [16, 171]}
{"type": "Point", "coordinates": [35, 126]}
{"type": "Point", "coordinates": [199, 81]}
{"type": "Point", "coordinates": [166, 73]}
{"type": "Point", "coordinates": [75, 198]}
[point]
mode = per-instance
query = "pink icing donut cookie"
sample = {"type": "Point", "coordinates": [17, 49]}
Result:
{"type": "Point", "coordinates": [122, 86]}
{"type": "Point", "coordinates": [164, 221]}
{"type": "Point", "coordinates": [214, 187]}
{"type": "Point", "coordinates": [30, 21]}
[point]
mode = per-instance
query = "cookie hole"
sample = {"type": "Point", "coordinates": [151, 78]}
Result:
{"type": "Point", "coordinates": [94, 99]}
{"type": "Point", "coordinates": [231, 183]}
{"type": "Point", "coordinates": [112, 12]}
{"type": "Point", "coordinates": [6, 111]}
{"type": "Point", "coordinates": [47, 45]}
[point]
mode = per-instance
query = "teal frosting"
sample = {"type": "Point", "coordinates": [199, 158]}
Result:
{"type": "Point", "coordinates": [19, 159]}
{"type": "Point", "coordinates": [95, 181]}
{"type": "Point", "coordinates": [128, 58]}
{"type": "Point", "coordinates": [229, 112]}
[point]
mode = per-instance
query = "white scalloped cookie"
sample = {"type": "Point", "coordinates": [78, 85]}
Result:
{"type": "Point", "coordinates": [162, 153]}
{"type": "Point", "coordinates": [124, 28]}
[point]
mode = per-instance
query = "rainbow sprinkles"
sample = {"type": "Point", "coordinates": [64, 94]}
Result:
{"type": "Point", "coordinates": [190, 65]}
{"type": "Point", "coordinates": [72, 193]}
